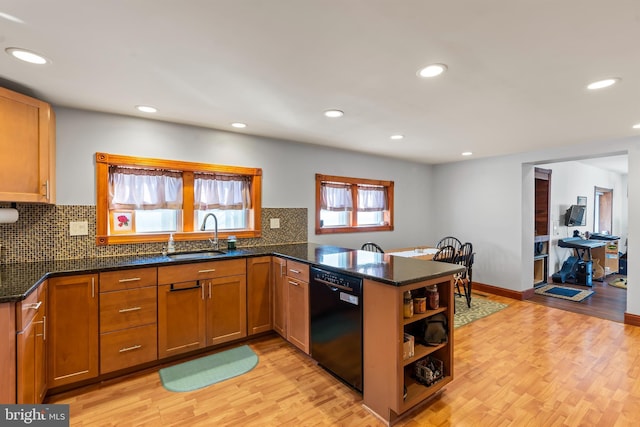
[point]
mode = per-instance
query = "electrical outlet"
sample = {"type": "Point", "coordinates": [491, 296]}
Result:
{"type": "Point", "coordinates": [275, 222]}
{"type": "Point", "coordinates": [78, 228]}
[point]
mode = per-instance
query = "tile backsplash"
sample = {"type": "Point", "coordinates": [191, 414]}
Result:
{"type": "Point", "coordinates": [42, 233]}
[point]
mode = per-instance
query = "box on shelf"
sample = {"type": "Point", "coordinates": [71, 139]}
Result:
{"type": "Point", "coordinates": [408, 346]}
{"type": "Point", "coordinates": [429, 370]}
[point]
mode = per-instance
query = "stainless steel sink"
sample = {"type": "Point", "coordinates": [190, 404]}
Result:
{"type": "Point", "coordinates": [196, 254]}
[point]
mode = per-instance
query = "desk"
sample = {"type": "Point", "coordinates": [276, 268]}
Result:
{"type": "Point", "coordinates": [419, 252]}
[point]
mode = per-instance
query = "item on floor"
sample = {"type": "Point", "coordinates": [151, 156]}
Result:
{"type": "Point", "coordinates": [567, 272]}
{"type": "Point", "coordinates": [204, 371]}
{"type": "Point", "coordinates": [618, 283]}
{"type": "Point", "coordinates": [480, 308]}
{"type": "Point", "coordinates": [564, 292]}
{"type": "Point", "coordinates": [622, 263]}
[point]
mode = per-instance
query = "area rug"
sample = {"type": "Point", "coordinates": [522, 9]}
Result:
{"type": "Point", "coordinates": [564, 292]}
{"type": "Point", "coordinates": [204, 371]}
{"type": "Point", "coordinates": [480, 307]}
{"type": "Point", "coordinates": [618, 283]}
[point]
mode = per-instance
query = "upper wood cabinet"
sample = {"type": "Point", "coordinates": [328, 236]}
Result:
{"type": "Point", "coordinates": [27, 149]}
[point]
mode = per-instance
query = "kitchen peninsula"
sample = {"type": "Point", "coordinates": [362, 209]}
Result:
{"type": "Point", "coordinates": [385, 277]}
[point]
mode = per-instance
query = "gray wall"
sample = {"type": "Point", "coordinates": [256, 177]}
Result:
{"type": "Point", "coordinates": [288, 168]}
{"type": "Point", "coordinates": [490, 202]}
{"type": "Point", "coordinates": [486, 201]}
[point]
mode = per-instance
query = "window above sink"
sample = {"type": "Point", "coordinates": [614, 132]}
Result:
{"type": "Point", "coordinates": [144, 200]}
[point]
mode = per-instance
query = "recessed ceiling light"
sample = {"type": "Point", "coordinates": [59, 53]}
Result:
{"type": "Point", "coordinates": [147, 108]}
{"type": "Point", "coordinates": [432, 70]}
{"type": "Point", "coordinates": [396, 137]}
{"type": "Point", "coordinates": [601, 84]}
{"type": "Point", "coordinates": [27, 56]}
{"type": "Point", "coordinates": [239, 125]}
{"type": "Point", "coordinates": [467, 153]}
{"type": "Point", "coordinates": [334, 113]}
{"type": "Point", "coordinates": [636, 126]}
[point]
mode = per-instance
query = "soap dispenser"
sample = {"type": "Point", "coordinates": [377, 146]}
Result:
{"type": "Point", "coordinates": [171, 246]}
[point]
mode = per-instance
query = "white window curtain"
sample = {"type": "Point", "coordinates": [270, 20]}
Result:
{"type": "Point", "coordinates": [335, 197]}
{"type": "Point", "coordinates": [144, 189]}
{"type": "Point", "coordinates": [372, 198]}
{"type": "Point", "coordinates": [225, 192]}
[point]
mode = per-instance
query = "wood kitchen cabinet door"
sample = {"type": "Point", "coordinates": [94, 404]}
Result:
{"type": "Point", "coordinates": [298, 313]}
{"type": "Point", "coordinates": [8, 353]}
{"type": "Point", "coordinates": [226, 311]}
{"type": "Point", "coordinates": [31, 361]}
{"type": "Point", "coordinates": [27, 149]}
{"type": "Point", "coordinates": [279, 280]}
{"type": "Point", "coordinates": [181, 318]}
{"type": "Point", "coordinates": [31, 366]}
{"type": "Point", "coordinates": [259, 295]}
{"type": "Point", "coordinates": [72, 335]}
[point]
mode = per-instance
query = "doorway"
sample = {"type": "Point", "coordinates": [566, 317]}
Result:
{"type": "Point", "coordinates": [610, 217]}
{"type": "Point", "coordinates": [603, 210]}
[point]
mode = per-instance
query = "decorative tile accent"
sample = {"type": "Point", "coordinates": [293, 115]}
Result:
{"type": "Point", "coordinates": [42, 234]}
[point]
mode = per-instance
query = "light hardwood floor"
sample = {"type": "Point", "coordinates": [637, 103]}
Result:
{"type": "Point", "coordinates": [527, 365]}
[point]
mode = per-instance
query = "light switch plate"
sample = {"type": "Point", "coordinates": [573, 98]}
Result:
{"type": "Point", "coordinates": [275, 222]}
{"type": "Point", "coordinates": [78, 228]}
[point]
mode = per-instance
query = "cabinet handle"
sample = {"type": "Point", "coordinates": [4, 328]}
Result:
{"type": "Point", "coordinates": [295, 271]}
{"type": "Point", "coordinates": [133, 347]}
{"type": "Point", "coordinates": [211, 270]}
{"type": "Point", "coordinates": [93, 287]}
{"type": "Point", "coordinates": [209, 290]}
{"type": "Point", "coordinates": [44, 328]}
{"type": "Point", "coordinates": [202, 290]}
{"type": "Point", "coordinates": [281, 270]}
{"type": "Point", "coordinates": [133, 279]}
{"type": "Point", "coordinates": [126, 310]}
{"type": "Point", "coordinates": [34, 306]}
{"type": "Point", "coordinates": [333, 286]}
{"type": "Point", "coordinates": [172, 289]}
{"type": "Point", "coordinates": [293, 283]}
{"type": "Point", "coordinates": [46, 189]}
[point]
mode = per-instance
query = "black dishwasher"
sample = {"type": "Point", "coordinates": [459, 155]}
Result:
{"type": "Point", "coordinates": [335, 305]}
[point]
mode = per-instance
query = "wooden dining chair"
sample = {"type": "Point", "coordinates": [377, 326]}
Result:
{"type": "Point", "coordinates": [463, 280]}
{"type": "Point", "coordinates": [446, 253]}
{"type": "Point", "coordinates": [449, 241]}
{"type": "Point", "coordinates": [372, 247]}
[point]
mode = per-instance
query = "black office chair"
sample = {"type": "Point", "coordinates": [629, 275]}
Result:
{"type": "Point", "coordinates": [446, 254]}
{"type": "Point", "coordinates": [372, 247]}
{"type": "Point", "coordinates": [465, 258]}
{"type": "Point", "coordinates": [449, 241]}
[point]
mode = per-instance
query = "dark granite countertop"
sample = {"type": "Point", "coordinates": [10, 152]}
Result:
{"type": "Point", "coordinates": [18, 280]}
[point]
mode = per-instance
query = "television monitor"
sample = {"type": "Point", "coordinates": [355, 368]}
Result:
{"type": "Point", "coordinates": [575, 216]}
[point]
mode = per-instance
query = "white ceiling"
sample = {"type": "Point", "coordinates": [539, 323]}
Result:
{"type": "Point", "coordinates": [516, 78]}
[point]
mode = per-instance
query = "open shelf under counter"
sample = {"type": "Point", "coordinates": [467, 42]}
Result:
{"type": "Point", "coordinates": [418, 393]}
{"type": "Point", "coordinates": [421, 350]}
{"type": "Point", "coordinates": [420, 316]}
{"type": "Point", "coordinates": [386, 372]}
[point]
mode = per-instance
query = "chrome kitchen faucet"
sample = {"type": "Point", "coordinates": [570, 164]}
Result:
{"type": "Point", "coordinates": [214, 242]}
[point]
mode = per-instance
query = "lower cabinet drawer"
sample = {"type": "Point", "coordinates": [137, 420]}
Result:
{"type": "Point", "coordinates": [129, 347]}
{"type": "Point", "coordinates": [123, 309]}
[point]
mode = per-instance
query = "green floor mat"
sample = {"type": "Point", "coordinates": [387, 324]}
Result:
{"type": "Point", "coordinates": [204, 371]}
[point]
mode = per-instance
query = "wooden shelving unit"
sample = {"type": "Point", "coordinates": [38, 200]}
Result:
{"type": "Point", "coordinates": [386, 372]}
